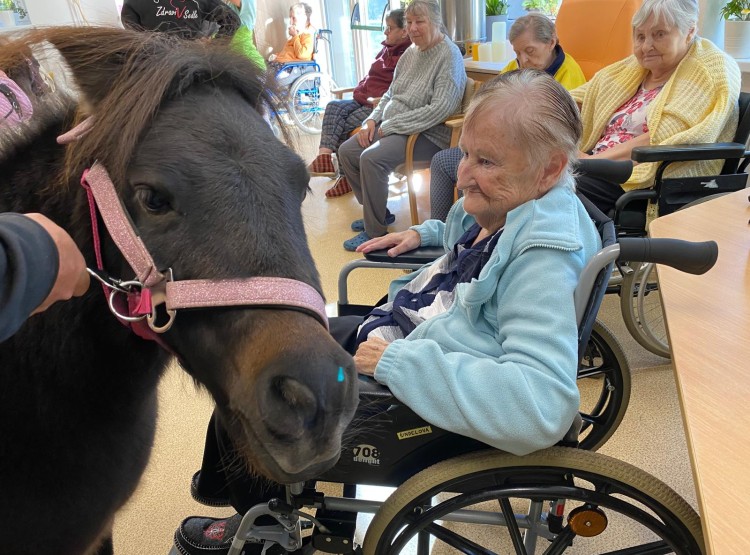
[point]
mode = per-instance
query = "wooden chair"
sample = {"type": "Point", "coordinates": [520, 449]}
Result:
{"type": "Point", "coordinates": [608, 37]}
{"type": "Point", "coordinates": [410, 165]}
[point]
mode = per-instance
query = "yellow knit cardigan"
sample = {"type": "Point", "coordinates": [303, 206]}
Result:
{"type": "Point", "coordinates": [697, 105]}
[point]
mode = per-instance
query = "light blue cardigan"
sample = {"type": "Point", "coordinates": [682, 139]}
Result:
{"type": "Point", "coordinates": [500, 365]}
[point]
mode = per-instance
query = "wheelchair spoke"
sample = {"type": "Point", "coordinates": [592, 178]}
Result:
{"type": "Point", "coordinates": [561, 542]}
{"type": "Point", "coordinates": [513, 530]}
{"type": "Point", "coordinates": [464, 545]}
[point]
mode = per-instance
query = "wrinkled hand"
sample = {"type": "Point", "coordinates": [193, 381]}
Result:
{"type": "Point", "coordinates": [292, 30]}
{"type": "Point", "coordinates": [396, 243]}
{"type": "Point", "coordinates": [369, 354]}
{"type": "Point", "coordinates": [366, 134]}
{"type": "Point", "coordinates": [72, 278]}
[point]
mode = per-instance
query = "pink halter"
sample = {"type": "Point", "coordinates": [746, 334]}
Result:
{"type": "Point", "coordinates": [136, 300]}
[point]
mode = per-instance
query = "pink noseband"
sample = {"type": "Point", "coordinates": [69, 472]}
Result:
{"type": "Point", "coordinates": [136, 300]}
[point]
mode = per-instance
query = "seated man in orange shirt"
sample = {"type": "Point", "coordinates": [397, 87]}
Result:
{"type": "Point", "coordinates": [299, 47]}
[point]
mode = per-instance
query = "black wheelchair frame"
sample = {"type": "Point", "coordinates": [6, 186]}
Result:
{"type": "Point", "coordinates": [637, 285]}
{"type": "Point", "coordinates": [549, 498]}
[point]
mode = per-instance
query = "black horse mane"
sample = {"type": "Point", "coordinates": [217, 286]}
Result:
{"type": "Point", "coordinates": [124, 80]}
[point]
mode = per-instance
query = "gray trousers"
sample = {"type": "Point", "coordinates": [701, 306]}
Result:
{"type": "Point", "coordinates": [367, 170]}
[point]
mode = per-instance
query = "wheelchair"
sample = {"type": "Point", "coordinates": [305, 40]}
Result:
{"type": "Point", "coordinates": [637, 285]}
{"type": "Point", "coordinates": [555, 500]}
{"type": "Point", "coordinates": [309, 91]}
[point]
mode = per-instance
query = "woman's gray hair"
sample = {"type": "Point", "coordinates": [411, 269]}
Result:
{"type": "Point", "coordinates": [398, 17]}
{"type": "Point", "coordinates": [542, 28]}
{"type": "Point", "coordinates": [428, 8]}
{"type": "Point", "coordinates": [544, 117]}
{"type": "Point", "coordinates": [305, 6]}
{"type": "Point", "coordinates": [682, 14]}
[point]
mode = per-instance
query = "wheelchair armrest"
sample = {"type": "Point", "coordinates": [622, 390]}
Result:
{"type": "Point", "coordinates": [421, 255]}
{"type": "Point", "coordinates": [631, 196]}
{"type": "Point", "coordinates": [614, 171]}
{"type": "Point", "coordinates": [688, 153]}
{"type": "Point", "coordinates": [374, 391]}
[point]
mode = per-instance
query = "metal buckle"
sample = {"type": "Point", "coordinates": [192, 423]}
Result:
{"type": "Point", "coordinates": [159, 296]}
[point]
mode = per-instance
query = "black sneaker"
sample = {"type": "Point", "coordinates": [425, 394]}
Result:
{"type": "Point", "coordinates": [198, 535]}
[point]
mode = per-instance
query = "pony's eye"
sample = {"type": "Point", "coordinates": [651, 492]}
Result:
{"type": "Point", "coordinates": [152, 200]}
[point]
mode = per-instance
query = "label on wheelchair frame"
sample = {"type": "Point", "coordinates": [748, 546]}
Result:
{"type": "Point", "coordinates": [367, 454]}
{"type": "Point", "coordinates": [407, 434]}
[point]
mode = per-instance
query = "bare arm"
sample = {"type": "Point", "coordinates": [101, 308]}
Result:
{"type": "Point", "coordinates": [622, 151]}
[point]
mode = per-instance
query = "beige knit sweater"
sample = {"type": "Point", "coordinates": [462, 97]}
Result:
{"type": "Point", "coordinates": [697, 105]}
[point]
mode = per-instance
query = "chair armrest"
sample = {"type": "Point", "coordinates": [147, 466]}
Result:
{"type": "Point", "coordinates": [688, 153]}
{"type": "Point", "coordinates": [339, 92]}
{"type": "Point", "coordinates": [421, 255]}
{"type": "Point", "coordinates": [455, 122]}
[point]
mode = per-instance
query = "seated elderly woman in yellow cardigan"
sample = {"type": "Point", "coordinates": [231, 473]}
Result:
{"type": "Point", "coordinates": [676, 88]}
{"type": "Point", "coordinates": [534, 40]}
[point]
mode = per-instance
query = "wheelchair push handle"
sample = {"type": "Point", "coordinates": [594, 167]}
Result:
{"type": "Point", "coordinates": [687, 256]}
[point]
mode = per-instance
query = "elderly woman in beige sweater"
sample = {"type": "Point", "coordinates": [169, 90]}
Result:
{"type": "Point", "coordinates": [427, 88]}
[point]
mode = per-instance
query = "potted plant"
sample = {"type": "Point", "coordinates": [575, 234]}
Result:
{"type": "Point", "coordinates": [495, 10]}
{"type": "Point", "coordinates": [737, 28]}
{"type": "Point", "coordinates": [8, 9]}
{"type": "Point", "coordinates": [547, 7]}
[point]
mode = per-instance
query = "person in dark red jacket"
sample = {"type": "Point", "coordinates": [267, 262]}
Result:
{"type": "Point", "coordinates": [40, 264]}
{"type": "Point", "coordinates": [344, 116]}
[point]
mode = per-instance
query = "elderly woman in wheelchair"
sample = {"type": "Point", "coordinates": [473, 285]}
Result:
{"type": "Point", "coordinates": [478, 349]}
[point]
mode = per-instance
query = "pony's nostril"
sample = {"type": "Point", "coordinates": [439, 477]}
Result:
{"type": "Point", "coordinates": [295, 394]}
{"type": "Point", "coordinates": [292, 408]}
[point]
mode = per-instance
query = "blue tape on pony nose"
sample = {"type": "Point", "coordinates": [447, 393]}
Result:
{"type": "Point", "coordinates": [341, 376]}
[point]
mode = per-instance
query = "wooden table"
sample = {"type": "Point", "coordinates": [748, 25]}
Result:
{"type": "Point", "coordinates": [482, 71]}
{"type": "Point", "coordinates": [708, 321]}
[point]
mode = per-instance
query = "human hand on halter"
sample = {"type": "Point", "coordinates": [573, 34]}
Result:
{"type": "Point", "coordinates": [72, 277]}
{"type": "Point", "coordinates": [401, 241]}
{"type": "Point", "coordinates": [369, 354]}
{"type": "Point", "coordinates": [366, 134]}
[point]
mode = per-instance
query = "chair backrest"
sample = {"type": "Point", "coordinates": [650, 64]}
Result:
{"type": "Point", "coordinates": [596, 32]}
{"type": "Point", "coordinates": [469, 90]}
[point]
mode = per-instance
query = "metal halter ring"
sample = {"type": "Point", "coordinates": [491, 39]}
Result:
{"type": "Point", "coordinates": [124, 287]}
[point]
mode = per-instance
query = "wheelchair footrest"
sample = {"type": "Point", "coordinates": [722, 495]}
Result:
{"type": "Point", "coordinates": [340, 535]}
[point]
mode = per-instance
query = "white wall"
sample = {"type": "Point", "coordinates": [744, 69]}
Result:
{"type": "Point", "coordinates": [65, 12]}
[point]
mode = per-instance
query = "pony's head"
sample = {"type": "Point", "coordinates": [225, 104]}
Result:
{"type": "Point", "coordinates": [179, 126]}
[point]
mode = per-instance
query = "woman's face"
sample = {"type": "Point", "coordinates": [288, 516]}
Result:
{"type": "Point", "coordinates": [531, 53]}
{"type": "Point", "coordinates": [494, 174]}
{"type": "Point", "coordinates": [660, 48]}
{"type": "Point", "coordinates": [393, 33]}
{"type": "Point", "coordinates": [298, 18]}
{"type": "Point", "coordinates": [421, 30]}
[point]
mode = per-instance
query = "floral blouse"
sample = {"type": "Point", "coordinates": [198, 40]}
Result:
{"type": "Point", "coordinates": [628, 121]}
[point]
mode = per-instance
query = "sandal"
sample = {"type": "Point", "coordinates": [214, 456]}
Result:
{"type": "Point", "coordinates": [357, 240]}
{"type": "Point", "coordinates": [340, 187]}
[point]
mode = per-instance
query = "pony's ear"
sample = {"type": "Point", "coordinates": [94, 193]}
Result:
{"type": "Point", "coordinates": [96, 68]}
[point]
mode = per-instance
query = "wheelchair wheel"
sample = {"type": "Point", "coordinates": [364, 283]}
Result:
{"type": "Point", "coordinates": [575, 501]}
{"type": "Point", "coordinates": [640, 303]}
{"type": "Point", "coordinates": [308, 98]}
{"type": "Point", "coordinates": [604, 384]}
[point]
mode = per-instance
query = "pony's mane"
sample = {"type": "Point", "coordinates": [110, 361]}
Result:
{"type": "Point", "coordinates": [124, 76]}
